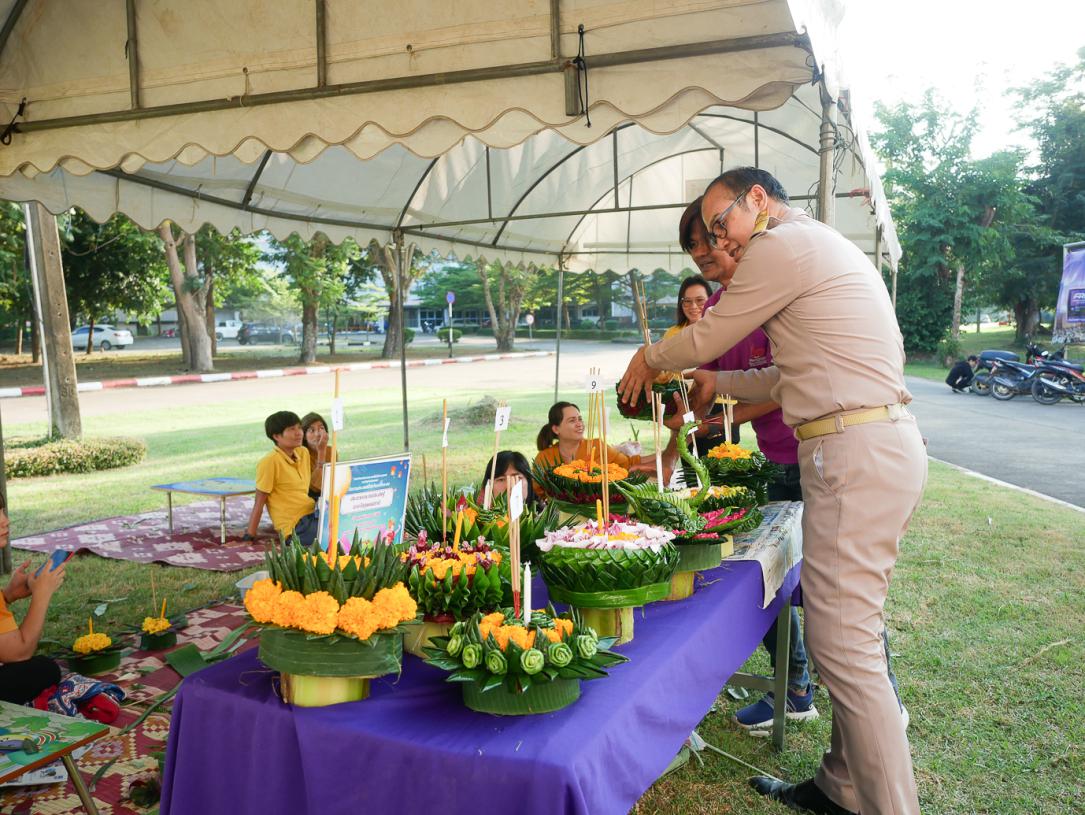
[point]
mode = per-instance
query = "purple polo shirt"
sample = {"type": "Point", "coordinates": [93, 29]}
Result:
{"type": "Point", "coordinates": [776, 440]}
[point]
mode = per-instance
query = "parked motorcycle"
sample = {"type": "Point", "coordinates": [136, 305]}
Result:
{"type": "Point", "coordinates": [981, 382]}
{"type": "Point", "coordinates": [1010, 379]}
{"type": "Point", "coordinates": [1059, 380]}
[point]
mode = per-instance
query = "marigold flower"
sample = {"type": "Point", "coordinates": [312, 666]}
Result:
{"type": "Point", "coordinates": [91, 643]}
{"type": "Point", "coordinates": [729, 450]}
{"type": "Point", "coordinates": [317, 614]}
{"type": "Point", "coordinates": [261, 598]}
{"type": "Point", "coordinates": [356, 617]}
{"type": "Point", "coordinates": [155, 625]}
{"type": "Point", "coordinates": [287, 605]}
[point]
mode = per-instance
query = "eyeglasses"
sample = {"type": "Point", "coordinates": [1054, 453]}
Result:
{"type": "Point", "coordinates": [719, 223]}
{"type": "Point", "coordinates": [693, 301]}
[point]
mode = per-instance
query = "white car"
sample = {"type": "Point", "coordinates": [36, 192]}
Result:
{"type": "Point", "coordinates": [227, 329]}
{"type": "Point", "coordinates": [105, 337]}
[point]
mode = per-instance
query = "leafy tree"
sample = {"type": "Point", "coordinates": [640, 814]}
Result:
{"type": "Point", "coordinates": [317, 271]}
{"type": "Point", "coordinates": [503, 287]}
{"type": "Point", "coordinates": [443, 276]}
{"type": "Point", "coordinates": [16, 294]}
{"type": "Point", "coordinates": [110, 267]}
{"type": "Point", "coordinates": [1053, 111]}
{"type": "Point", "coordinates": [228, 263]}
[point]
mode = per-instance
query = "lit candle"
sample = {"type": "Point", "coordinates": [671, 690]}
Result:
{"type": "Point", "coordinates": [459, 529]}
{"type": "Point", "coordinates": [90, 624]}
{"type": "Point", "coordinates": [163, 614]}
{"type": "Point", "coordinates": [527, 594]}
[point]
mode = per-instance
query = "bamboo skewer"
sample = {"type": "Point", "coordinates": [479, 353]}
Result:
{"type": "Point", "coordinates": [488, 495]}
{"type": "Point", "coordinates": [728, 416]}
{"type": "Point", "coordinates": [444, 473]}
{"type": "Point", "coordinates": [657, 425]}
{"type": "Point", "coordinates": [333, 497]}
{"type": "Point", "coordinates": [514, 550]}
{"type": "Point", "coordinates": [604, 454]}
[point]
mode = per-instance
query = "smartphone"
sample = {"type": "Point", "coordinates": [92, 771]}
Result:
{"type": "Point", "coordinates": [59, 556]}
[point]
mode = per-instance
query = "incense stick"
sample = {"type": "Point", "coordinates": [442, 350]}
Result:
{"type": "Point", "coordinates": [444, 473]}
{"type": "Point", "coordinates": [604, 453]}
{"type": "Point", "coordinates": [493, 461]}
{"type": "Point", "coordinates": [514, 550]}
{"type": "Point", "coordinates": [333, 499]}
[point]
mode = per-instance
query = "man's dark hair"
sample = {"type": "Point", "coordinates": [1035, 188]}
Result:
{"type": "Point", "coordinates": [689, 219]}
{"type": "Point", "coordinates": [277, 423]}
{"type": "Point", "coordinates": [973, 358]}
{"type": "Point", "coordinates": [740, 179]}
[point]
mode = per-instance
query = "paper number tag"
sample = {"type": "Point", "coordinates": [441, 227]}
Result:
{"type": "Point", "coordinates": [444, 438]}
{"type": "Point", "coordinates": [688, 417]}
{"type": "Point", "coordinates": [337, 415]}
{"type": "Point", "coordinates": [592, 384]}
{"type": "Point", "coordinates": [516, 500]}
{"type": "Point", "coordinates": [501, 418]}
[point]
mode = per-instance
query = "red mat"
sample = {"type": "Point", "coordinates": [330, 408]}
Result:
{"type": "Point", "coordinates": [143, 676]}
{"type": "Point", "coordinates": [146, 538]}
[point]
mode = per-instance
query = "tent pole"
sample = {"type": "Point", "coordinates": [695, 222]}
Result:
{"type": "Point", "coordinates": [132, 49]}
{"type": "Point", "coordinates": [5, 553]}
{"type": "Point", "coordinates": [402, 277]}
{"type": "Point", "coordinates": [559, 309]}
{"type": "Point", "coordinates": [827, 152]}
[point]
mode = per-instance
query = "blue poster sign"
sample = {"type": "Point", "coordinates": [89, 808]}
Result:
{"type": "Point", "coordinates": [451, 297]}
{"type": "Point", "coordinates": [1070, 307]}
{"type": "Point", "coordinates": [372, 499]}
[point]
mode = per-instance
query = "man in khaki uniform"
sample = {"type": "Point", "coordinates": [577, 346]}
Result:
{"type": "Point", "coordinates": [839, 378]}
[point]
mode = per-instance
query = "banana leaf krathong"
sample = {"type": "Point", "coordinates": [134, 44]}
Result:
{"type": "Point", "coordinates": [584, 489]}
{"type": "Point", "coordinates": [362, 572]}
{"type": "Point", "coordinates": [643, 410]}
{"type": "Point", "coordinates": [452, 584]}
{"type": "Point", "coordinates": [509, 668]}
{"type": "Point", "coordinates": [728, 465]}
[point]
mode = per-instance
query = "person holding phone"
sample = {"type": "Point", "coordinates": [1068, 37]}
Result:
{"type": "Point", "coordinates": [24, 675]}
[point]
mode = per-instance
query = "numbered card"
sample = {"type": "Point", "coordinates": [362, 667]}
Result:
{"type": "Point", "coordinates": [516, 499]}
{"type": "Point", "coordinates": [593, 384]}
{"type": "Point", "coordinates": [501, 418]}
{"type": "Point", "coordinates": [444, 438]}
{"type": "Point", "coordinates": [688, 417]}
{"type": "Point", "coordinates": [337, 415]}
{"type": "Point", "coordinates": [606, 419]}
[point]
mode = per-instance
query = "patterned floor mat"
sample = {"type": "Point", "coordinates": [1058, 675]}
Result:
{"type": "Point", "coordinates": [146, 538]}
{"type": "Point", "coordinates": [129, 759]}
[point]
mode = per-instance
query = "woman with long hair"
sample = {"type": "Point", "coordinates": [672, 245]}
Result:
{"type": "Point", "coordinates": [561, 440]}
{"type": "Point", "coordinates": [509, 463]}
{"type": "Point", "coordinates": [315, 435]}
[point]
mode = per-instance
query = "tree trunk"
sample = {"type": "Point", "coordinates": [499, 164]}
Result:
{"type": "Point", "coordinates": [958, 294]}
{"type": "Point", "coordinates": [395, 328]}
{"type": "Point", "coordinates": [90, 336]}
{"type": "Point", "coordinates": [182, 333]}
{"type": "Point", "coordinates": [190, 305]}
{"type": "Point", "coordinates": [209, 275]}
{"type": "Point", "coordinates": [308, 327]}
{"type": "Point", "coordinates": [1026, 315]}
{"type": "Point", "coordinates": [35, 340]}
{"type": "Point", "coordinates": [19, 335]}
{"type": "Point", "coordinates": [331, 334]}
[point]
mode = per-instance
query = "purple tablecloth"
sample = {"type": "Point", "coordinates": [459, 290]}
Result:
{"type": "Point", "coordinates": [413, 747]}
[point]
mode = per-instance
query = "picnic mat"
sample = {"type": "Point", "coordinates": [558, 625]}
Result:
{"type": "Point", "coordinates": [145, 538]}
{"type": "Point", "coordinates": [127, 761]}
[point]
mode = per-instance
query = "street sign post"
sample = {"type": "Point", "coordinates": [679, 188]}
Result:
{"type": "Point", "coordinates": [451, 298]}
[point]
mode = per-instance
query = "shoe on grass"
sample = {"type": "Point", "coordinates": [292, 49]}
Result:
{"type": "Point", "coordinates": [758, 716]}
{"type": "Point", "coordinates": [804, 797]}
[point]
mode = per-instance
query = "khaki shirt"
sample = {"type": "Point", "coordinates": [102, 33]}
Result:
{"type": "Point", "coordinates": [826, 311]}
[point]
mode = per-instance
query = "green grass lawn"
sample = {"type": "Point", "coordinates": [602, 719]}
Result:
{"type": "Point", "coordinates": [985, 613]}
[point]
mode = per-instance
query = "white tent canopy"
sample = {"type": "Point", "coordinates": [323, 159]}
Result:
{"type": "Point", "coordinates": [327, 121]}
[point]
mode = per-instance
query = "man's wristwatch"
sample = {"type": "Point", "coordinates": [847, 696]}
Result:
{"type": "Point", "coordinates": [247, 537]}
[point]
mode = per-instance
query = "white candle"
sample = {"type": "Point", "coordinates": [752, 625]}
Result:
{"type": "Point", "coordinates": [527, 594]}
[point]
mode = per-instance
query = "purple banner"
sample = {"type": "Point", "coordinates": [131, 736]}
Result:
{"type": "Point", "coordinates": [1070, 309]}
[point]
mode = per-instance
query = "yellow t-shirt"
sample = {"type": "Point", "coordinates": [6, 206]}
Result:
{"type": "Point", "coordinates": [7, 619]}
{"type": "Point", "coordinates": [286, 482]}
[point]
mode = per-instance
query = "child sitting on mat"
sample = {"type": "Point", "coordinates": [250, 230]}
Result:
{"type": "Point", "coordinates": [283, 478]}
{"type": "Point", "coordinates": [24, 675]}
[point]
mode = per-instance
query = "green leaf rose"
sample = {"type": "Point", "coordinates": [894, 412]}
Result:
{"type": "Point", "coordinates": [560, 654]}
{"type": "Point", "coordinates": [586, 646]}
{"type": "Point", "coordinates": [456, 630]}
{"type": "Point", "coordinates": [496, 662]}
{"type": "Point", "coordinates": [455, 645]}
{"type": "Point", "coordinates": [472, 655]}
{"type": "Point", "coordinates": [532, 661]}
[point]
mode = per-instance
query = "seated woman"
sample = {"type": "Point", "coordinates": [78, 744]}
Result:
{"type": "Point", "coordinates": [23, 675]}
{"type": "Point", "coordinates": [561, 440]}
{"type": "Point", "coordinates": [509, 463]}
{"type": "Point", "coordinates": [315, 434]}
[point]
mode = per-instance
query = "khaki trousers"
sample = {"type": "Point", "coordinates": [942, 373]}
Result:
{"type": "Point", "coordinates": [860, 488]}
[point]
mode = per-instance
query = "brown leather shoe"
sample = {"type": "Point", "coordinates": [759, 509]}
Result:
{"type": "Point", "coordinates": [804, 797]}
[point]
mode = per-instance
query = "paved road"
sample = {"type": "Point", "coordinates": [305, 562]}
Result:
{"type": "Point", "coordinates": [1035, 446]}
{"type": "Point", "coordinates": [1031, 445]}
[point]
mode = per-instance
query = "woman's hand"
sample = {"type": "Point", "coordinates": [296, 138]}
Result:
{"type": "Point", "coordinates": [46, 583]}
{"type": "Point", "coordinates": [19, 585]}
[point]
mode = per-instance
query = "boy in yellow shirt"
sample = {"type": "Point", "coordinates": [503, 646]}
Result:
{"type": "Point", "coordinates": [283, 477]}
